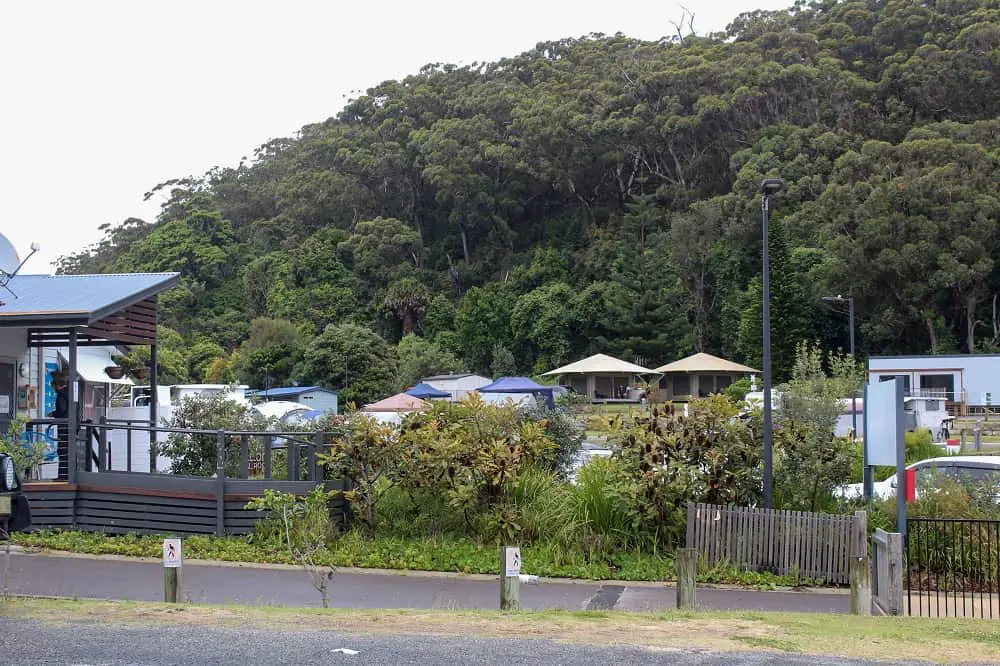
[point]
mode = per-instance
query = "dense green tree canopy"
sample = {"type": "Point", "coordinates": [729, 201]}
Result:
{"type": "Point", "coordinates": [600, 194]}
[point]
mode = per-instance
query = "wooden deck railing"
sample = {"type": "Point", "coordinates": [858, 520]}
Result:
{"type": "Point", "coordinates": [109, 495]}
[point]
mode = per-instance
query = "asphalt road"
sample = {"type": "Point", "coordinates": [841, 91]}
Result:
{"type": "Point", "coordinates": [30, 643]}
{"type": "Point", "coordinates": [139, 580]}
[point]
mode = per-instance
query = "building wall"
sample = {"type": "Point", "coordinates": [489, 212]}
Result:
{"type": "Point", "coordinates": [322, 400]}
{"type": "Point", "coordinates": [672, 385]}
{"type": "Point", "coordinates": [462, 387]}
{"type": "Point", "coordinates": [973, 376]}
{"type": "Point", "coordinates": [14, 350]}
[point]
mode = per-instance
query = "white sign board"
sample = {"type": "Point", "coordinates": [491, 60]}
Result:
{"type": "Point", "coordinates": [882, 407]}
{"type": "Point", "coordinates": [512, 557]}
{"type": "Point", "coordinates": [172, 556]}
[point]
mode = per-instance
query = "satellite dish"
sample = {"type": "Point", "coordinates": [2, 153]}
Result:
{"type": "Point", "coordinates": [10, 261]}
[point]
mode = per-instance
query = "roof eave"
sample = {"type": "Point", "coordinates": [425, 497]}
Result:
{"type": "Point", "coordinates": [170, 280]}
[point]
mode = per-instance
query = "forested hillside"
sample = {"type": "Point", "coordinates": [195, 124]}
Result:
{"type": "Point", "coordinates": [601, 194]}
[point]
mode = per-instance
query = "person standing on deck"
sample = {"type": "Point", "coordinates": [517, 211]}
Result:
{"type": "Point", "coordinates": [61, 411]}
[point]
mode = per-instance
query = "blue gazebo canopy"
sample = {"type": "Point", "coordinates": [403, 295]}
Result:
{"type": "Point", "coordinates": [424, 391]}
{"type": "Point", "coordinates": [515, 385]}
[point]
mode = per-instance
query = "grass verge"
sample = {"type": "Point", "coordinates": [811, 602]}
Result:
{"type": "Point", "coordinates": [933, 639]}
{"type": "Point", "coordinates": [355, 549]}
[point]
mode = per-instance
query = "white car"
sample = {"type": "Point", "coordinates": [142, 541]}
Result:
{"type": "Point", "coordinates": [973, 470]}
{"type": "Point", "coordinates": [586, 453]}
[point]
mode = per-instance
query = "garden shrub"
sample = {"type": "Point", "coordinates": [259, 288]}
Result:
{"type": "Point", "coordinates": [710, 455]}
{"type": "Point", "coordinates": [198, 454]}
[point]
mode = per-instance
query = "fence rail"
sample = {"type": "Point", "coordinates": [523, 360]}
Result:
{"type": "Point", "coordinates": [953, 567]}
{"type": "Point", "coordinates": [809, 545]}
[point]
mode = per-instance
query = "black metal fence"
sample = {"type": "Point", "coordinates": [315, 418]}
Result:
{"type": "Point", "coordinates": [952, 567]}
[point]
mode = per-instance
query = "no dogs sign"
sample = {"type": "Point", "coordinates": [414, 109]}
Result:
{"type": "Point", "coordinates": [172, 553]}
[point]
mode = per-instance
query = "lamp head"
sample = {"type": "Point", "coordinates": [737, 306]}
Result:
{"type": "Point", "coordinates": [771, 186]}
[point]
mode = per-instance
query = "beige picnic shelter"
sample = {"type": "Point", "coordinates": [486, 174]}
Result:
{"type": "Point", "coordinates": [698, 376]}
{"type": "Point", "coordinates": [603, 378]}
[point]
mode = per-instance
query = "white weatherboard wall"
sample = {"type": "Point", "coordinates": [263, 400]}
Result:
{"type": "Point", "coordinates": [973, 375]}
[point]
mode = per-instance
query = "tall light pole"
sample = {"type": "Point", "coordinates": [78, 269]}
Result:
{"type": "Point", "coordinates": [866, 470]}
{"type": "Point", "coordinates": [767, 188]}
{"type": "Point", "coordinates": [850, 315]}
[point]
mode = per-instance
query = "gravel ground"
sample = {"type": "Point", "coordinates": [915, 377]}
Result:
{"type": "Point", "coordinates": [31, 643]}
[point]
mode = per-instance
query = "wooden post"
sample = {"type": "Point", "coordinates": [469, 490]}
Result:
{"type": "Point", "coordinates": [510, 578]}
{"type": "Point", "coordinates": [220, 484]}
{"type": "Point", "coordinates": [172, 560]}
{"type": "Point", "coordinates": [859, 535]}
{"type": "Point", "coordinates": [170, 577]}
{"type": "Point", "coordinates": [687, 574]}
{"type": "Point", "coordinates": [861, 586]}
{"type": "Point", "coordinates": [894, 586]}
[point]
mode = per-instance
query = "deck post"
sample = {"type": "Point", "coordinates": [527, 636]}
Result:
{"type": "Point", "coordinates": [154, 391]}
{"type": "Point", "coordinates": [103, 459]}
{"type": "Point", "coordinates": [317, 446]}
{"type": "Point", "coordinates": [220, 484]}
{"type": "Point", "coordinates": [294, 457]}
{"type": "Point", "coordinates": [72, 415]}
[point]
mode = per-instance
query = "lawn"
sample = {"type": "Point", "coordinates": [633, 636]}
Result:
{"type": "Point", "coordinates": [845, 636]}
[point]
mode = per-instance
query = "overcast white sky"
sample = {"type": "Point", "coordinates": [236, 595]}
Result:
{"type": "Point", "coordinates": [102, 100]}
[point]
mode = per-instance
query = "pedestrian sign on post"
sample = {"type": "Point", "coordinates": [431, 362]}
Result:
{"type": "Point", "coordinates": [513, 558]}
{"type": "Point", "coordinates": [172, 553]}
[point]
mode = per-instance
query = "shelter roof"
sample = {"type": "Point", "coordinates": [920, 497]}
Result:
{"type": "Point", "coordinates": [514, 385]}
{"type": "Point", "coordinates": [76, 300]}
{"type": "Point", "coordinates": [401, 402]}
{"type": "Point", "coordinates": [423, 390]}
{"type": "Point", "coordinates": [286, 391]}
{"type": "Point", "coordinates": [600, 364]}
{"type": "Point", "coordinates": [706, 363]}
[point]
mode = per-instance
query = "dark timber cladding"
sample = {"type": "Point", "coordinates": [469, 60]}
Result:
{"type": "Point", "coordinates": [136, 325]}
{"type": "Point", "coordinates": [122, 503]}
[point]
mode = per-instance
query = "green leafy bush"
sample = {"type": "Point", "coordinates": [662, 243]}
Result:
{"type": "Point", "coordinates": [26, 455]}
{"type": "Point", "coordinates": [711, 455]}
{"type": "Point", "coordinates": [197, 454]}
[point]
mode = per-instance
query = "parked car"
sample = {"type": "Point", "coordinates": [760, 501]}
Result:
{"type": "Point", "coordinates": [969, 470]}
{"type": "Point", "coordinates": [14, 507]}
{"type": "Point", "coordinates": [586, 453]}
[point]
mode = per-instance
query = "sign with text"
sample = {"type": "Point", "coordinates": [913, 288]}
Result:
{"type": "Point", "coordinates": [172, 556]}
{"type": "Point", "coordinates": [513, 560]}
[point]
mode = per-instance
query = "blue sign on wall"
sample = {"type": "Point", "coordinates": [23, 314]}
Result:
{"type": "Point", "coordinates": [50, 390]}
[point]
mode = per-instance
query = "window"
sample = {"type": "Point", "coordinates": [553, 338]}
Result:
{"type": "Point", "coordinates": [938, 385]}
{"type": "Point", "coordinates": [905, 378]}
{"type": "Point", "coordinates": [682, 385]}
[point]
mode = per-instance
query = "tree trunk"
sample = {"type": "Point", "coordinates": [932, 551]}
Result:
{"type": "Point", "coordinates": [407, 321]}
{"type": "Point", "coordinates": [932, 334]}
{"type": "Point", "coordinates": [970, 322]}
{"type": "Point", "coordinates": [465, 247]}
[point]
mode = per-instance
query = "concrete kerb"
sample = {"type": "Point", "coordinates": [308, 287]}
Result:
{"type": "Point", "coordinates": [417, 573]}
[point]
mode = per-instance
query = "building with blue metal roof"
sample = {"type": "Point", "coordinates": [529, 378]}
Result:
{"type": "Point", "coordinates": [46, 319]}
{"type": "Point", "coordinates": [316, 397]}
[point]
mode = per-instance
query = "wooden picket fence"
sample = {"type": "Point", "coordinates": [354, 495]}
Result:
{"type": "Point", "coordinates": [799, 543]}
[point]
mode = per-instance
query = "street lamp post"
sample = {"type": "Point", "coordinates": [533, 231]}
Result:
{"type": "Point", "coordinates": [767, 188]}
{"type": "Point", "coordinates": [850, 316]}
{"type": "Point", "coordinates": [867, 471]}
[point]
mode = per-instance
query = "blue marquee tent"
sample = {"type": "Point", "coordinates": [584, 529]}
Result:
{"type": "Point", "coordinates": [516, 385]}
{"type": "Point", "coordinates": [425, 391]}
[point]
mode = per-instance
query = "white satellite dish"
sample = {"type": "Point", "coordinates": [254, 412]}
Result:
{"type": "Point", "coordinates": [10, 261]}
